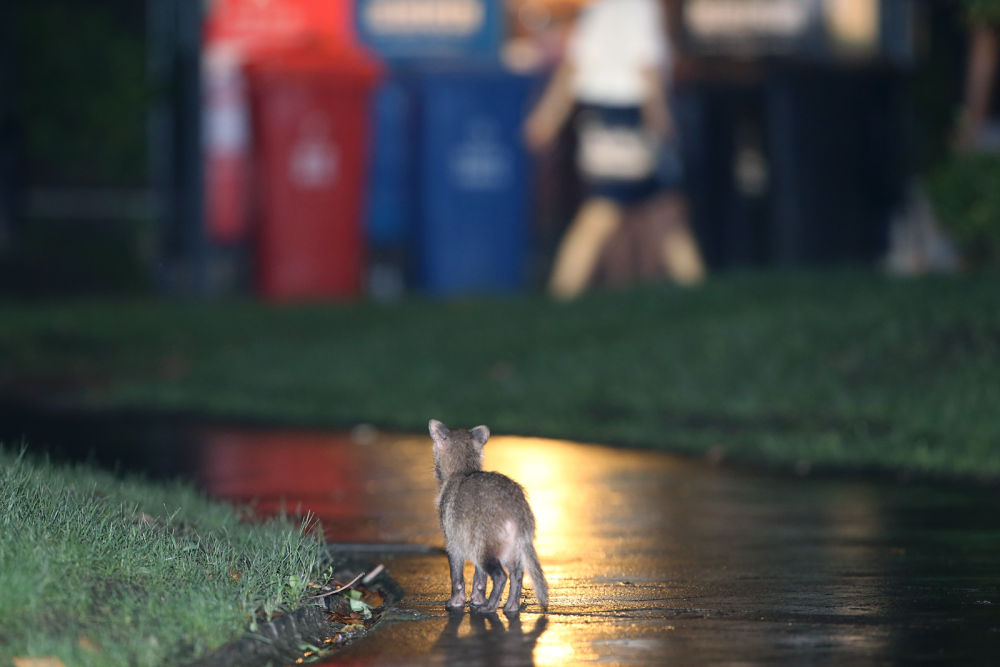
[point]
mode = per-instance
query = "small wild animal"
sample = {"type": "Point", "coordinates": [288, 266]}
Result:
{"type": "Point", "coordinates": [486, 520]}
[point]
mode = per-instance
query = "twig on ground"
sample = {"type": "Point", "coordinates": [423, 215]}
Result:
{"type": "Point", "coordinates": [342, 588]}
{"type": "Point", "coordinates": [377, 570]}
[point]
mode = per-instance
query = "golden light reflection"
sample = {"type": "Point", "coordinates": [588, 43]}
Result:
{"type": "Point", "coordinates": [540, 467]}
{"type": "Point", "coordinates": [553, 653]}
{"type": "Point", "coordinates": [559, 484]}
{"type": "Point", "coordinates": [573, 505]}
{"type": "Point", "coordinates": [562, 643]}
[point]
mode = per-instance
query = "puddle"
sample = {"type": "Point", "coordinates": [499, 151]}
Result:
{"type": "Point", "coordinates": [649, 558]}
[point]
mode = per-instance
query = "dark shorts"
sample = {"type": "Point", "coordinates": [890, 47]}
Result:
{"type": "Point", "coordinates": [626, 190]}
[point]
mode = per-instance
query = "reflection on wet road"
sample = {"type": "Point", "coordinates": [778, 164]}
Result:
{"type": "Point", "coordinates": [652, 559]}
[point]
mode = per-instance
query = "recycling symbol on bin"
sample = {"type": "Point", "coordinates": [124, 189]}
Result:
{"type": "Point", "coordinates": [479, 160]}
{"type": "Point", "coordinates": [314, 160]}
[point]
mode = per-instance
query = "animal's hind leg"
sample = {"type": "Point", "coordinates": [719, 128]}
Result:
{"type": "Point", "coordinates": [496, 572]}
{"type": "Point", "coordinates": [478, 597]}
{"type": "Point", "coordinates": [457, 600]}
{"type": "Point", "coordinates": [513, 605]}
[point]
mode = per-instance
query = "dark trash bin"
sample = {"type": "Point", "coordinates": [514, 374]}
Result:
{"type": "Point", "coordinates": [472, 171]}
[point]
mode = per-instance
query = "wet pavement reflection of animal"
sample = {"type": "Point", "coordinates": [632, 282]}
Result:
{"type": "Point", "coordinates": [651, 559]}
{"type": "Point", "coordinates": [488, 639]}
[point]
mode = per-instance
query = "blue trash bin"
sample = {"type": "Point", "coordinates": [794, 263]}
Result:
{"type": "Point", "coordinates": [472, 172]}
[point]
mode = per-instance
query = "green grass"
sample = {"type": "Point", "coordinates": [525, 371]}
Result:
{"type": "Point", "coordinates": [97, 570]}
{"type": "Point", "coordinates": [839, 368]}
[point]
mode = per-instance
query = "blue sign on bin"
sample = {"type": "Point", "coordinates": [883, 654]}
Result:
{"type": "Point", "coordinates": [419, 29]}
{"type": "Point", "coordinates": [474, 186]}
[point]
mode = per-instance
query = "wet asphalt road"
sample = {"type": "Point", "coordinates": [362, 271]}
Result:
{"type": "Point", "coordinates": [651, 559]}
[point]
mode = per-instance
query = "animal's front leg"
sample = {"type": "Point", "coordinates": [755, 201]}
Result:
{"type": "Point", "coordinates": [478, 598]}
{"type": "Point", "coordinates": [457, 565]}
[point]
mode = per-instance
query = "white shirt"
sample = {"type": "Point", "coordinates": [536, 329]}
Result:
{"type": "Point", "coordinates": [612, 42]}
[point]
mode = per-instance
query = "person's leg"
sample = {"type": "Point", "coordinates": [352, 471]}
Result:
{"type": "Point", "coordinates": [581, 246]}
{"type": "Point", "coordinates": [680, 253]}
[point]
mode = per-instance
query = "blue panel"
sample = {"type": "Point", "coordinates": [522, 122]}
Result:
{"type": "Point", "coordinates": [419, 29]}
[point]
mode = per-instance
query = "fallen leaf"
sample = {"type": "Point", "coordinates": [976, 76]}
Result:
{"type": "Point", "coordinates": [372, 599]}
{"type": "Point", "coordinates": [38, 661]}
{"type": "Point", "coordinates": [346, 619]}
{"type": "Point", "coordinates": [88, 644]}
{"type": "Point", "coordinates": [357, 606]}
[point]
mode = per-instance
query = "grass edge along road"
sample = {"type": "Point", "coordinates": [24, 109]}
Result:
{"type": "Point", "coordinates": [101, 570]}
{"type": "Point", "coordinates": [844, 368]}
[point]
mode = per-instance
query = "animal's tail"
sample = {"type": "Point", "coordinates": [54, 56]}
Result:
{"type": "Point", "coordinates": [537, 577]}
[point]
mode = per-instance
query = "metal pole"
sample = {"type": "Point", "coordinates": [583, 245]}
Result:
{"type": "Point", "coordinates": [174, 28]}
{"type": "Point", "coordinates": [9, 134]}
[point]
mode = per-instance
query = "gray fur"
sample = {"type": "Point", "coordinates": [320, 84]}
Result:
{"type": "Point", "coordinates": [486, 519]}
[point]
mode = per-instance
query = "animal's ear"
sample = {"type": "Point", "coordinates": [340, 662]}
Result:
{"type": "Point", "coordinates": [480, 434]}
{"type": "Point", "coordinates": [439, 432]}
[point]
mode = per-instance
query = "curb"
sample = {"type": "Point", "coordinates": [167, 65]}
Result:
{"type": "Point", "coordinates": [280, 641]}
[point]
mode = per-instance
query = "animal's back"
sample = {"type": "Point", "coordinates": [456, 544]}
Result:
{"type": "Point", "coordinates": [483, 511]}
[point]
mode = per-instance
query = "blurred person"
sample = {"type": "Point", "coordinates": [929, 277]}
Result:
{"type": "Point", "coordinates": [975, 128]}
{"type": "Point", "coordinates": [613, 75]}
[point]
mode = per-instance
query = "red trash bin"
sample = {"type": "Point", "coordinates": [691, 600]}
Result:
{"type": "Point", "coordinates": [310, 116]}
